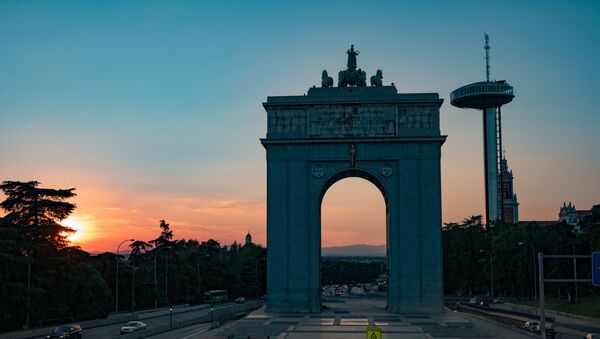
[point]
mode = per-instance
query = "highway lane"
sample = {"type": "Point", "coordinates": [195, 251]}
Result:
{"type": "Point", "coordinates": [163, 320]}
{"type": "Point", "coordinates": [190, 332]}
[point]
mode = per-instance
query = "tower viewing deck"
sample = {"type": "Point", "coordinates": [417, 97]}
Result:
{"type": "Point", "coordinates": [482, 95]}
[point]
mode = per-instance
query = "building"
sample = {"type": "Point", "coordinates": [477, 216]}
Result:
{"type": "Point", "coordinates": [510, 205]}
{"type": "Point", "coordinates": [567, 214]}
{"type": "Point", "coordinates": [248, 239]}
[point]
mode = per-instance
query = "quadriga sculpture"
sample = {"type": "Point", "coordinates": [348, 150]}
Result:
{"type": "Point", "coordinates": [377, 79]}
{"type": "Point", "coordinates": [326, 80]}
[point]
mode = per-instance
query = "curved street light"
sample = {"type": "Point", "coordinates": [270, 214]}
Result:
{"type": "Point", "coordinates": [117, 279]}
{"type": "Point", "coordinates": [521, 243]}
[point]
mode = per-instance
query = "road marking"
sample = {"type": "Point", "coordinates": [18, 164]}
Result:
{"type": "Point", "coordinates": [198, 332]}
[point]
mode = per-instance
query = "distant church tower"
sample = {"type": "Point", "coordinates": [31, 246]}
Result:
{"type": "Point", "coordinates": [248, 239]}
{"type": "Point", "coordinates": [568, 213]}
{"type": "Point", "coordinates": [510, 204]}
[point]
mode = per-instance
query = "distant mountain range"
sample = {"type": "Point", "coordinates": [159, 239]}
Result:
{"type": "Point", "coordinates": [359, 250]}
{"type": "Point", "coordinates": [354, 251]}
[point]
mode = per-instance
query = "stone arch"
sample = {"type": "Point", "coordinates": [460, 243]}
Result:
{"type": "Point", "coordinates": [317, 139]}
{"type": "Point", "coordinates": [355, 172]}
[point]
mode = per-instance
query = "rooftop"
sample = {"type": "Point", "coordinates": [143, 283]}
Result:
{"type": "Point", "coordinates": [379, 94]}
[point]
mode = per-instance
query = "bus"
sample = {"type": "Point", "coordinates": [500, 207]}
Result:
{"type": "Point", "coordinates": [215, 296]}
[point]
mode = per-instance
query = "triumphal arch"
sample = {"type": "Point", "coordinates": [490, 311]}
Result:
{"type": "Point", "coordinates": [354, 130]}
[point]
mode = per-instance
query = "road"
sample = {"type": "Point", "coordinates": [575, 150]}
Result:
{"type": "Point", "coordinates": [163, 320]}
{"type": "Point", "coordinates": [190, 332]}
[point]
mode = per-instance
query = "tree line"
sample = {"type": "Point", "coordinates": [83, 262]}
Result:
{"type": "Point", "coordinates": [337, 271]}
{"type": "Point", "coordinates": [44, 280]}
{"type": "Point", "coordinates": [470, 250]}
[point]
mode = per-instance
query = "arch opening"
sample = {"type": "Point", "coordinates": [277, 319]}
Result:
{"type": "Point", "coordinates": [353, 215]}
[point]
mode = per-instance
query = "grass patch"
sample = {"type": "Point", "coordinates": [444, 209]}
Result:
{"type": "Point", "coordinates": [588, 306]}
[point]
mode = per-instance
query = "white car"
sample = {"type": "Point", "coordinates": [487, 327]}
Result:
{"type": "Point", "coordinates": [133, 326]}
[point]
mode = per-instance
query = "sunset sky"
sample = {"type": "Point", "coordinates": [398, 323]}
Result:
{"type": "Point", "coordinates": [152, 109]}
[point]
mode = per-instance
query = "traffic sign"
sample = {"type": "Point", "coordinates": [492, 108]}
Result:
{"type": "Point", "coordinates": [373, 332]}
{"type": "Point", "coordinates": [596, 268]}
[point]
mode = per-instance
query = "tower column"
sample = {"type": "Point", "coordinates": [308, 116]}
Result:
{"type": "Point", "coordinates": [490, 163]}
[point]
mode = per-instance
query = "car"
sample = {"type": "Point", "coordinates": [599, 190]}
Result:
{"type": "Point", "coordinates": [66, 332]}
{"type": "Point", "coordinates": [132, 326]}
{"type": "Point", "coordinates": [240, 300]}
{"type": "Point", "coordinates": [530, 326]}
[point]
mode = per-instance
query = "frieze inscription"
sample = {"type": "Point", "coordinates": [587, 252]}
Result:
{"type": "Point", "coordinates": [287, 122]}
{"type": "Point", "coordinates": [353, 121]}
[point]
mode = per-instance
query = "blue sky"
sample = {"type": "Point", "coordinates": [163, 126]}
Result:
{"type": "Point", "coordinates": [127, 100]}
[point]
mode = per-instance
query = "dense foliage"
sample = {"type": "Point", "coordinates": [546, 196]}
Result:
{"type": "Point", "coordinates": [336, 271]}
{"type": "Point", "coordinates": [68, 284]}
{"type": "Point", "coordinates": [469, 251]}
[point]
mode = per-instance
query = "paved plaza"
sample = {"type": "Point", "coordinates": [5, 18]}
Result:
{"type": "Point", "coordinates": [349, 318]}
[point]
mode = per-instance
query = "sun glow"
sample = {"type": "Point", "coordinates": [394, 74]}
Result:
{"type": "Point", "coordinates": [75, 224]}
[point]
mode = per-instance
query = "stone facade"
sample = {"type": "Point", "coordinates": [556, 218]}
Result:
{"type": "Point", "coordinates": [393, 140]}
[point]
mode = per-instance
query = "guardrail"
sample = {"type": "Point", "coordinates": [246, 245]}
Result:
{"type": "Point", "coordinates": [512, 319]}
{"type": "Point", "coordinates": [220, 315]}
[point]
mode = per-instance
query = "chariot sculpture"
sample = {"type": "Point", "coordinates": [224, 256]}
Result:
{"type": "Point", "coordinates": [352, 76]}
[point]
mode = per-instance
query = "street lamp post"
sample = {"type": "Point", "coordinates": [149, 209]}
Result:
{"type": "Point", "coordinates": [28, 291]}
{"type": "Point", "coordinates": [198, 273]}
{"type": "Point", "coordinates": [167, 279]}
{"type": "Point", "coordinates": [117, 279]}
{"type": "Point", "coordinates": [155, 283]}
{"type": "Point", "coordinates": [521, 243]}
{"type": "Point", "coordinates": [199, 289]}
{"type": "Point", "coordinates": [491, 273]}
{"type": "Point", "coordinates": [133, 289]}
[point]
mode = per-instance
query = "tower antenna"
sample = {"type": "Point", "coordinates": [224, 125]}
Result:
{"type": "Point", "coordinates": [487, 57]}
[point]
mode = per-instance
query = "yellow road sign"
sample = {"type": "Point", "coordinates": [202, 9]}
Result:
{"type": "Point", "coordinates": [373, 332]}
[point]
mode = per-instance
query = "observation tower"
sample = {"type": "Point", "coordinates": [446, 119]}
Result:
{"type": "Point", "coordinates": [488, 96]}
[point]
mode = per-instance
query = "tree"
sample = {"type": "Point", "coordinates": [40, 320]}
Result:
{"type": "Point", "coordinates": [165, 236]}
{"type": "Point", "coordinates": [463, 261]}
{"type": "Point", "coordinates": [138, 248]}
{"type": "Point", "coordinates": [38, 212]}
{"type": "Point", "coordinates": [34, 247]}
